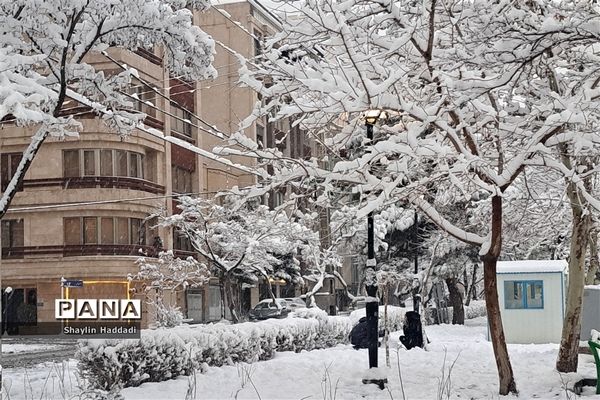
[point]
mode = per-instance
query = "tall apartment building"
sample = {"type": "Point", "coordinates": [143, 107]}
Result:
{"type": "Point", "coordinates": [82, 211]}
{"type": "Point", "coordinates": [239, 28]}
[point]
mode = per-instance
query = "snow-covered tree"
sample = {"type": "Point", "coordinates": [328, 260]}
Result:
{"type": "Point", "coordinates": [246, 245]}
{"type": "Point", "coordinates": [46, 68]}
{"type": "Point", "coordinates": [471, 91]}
{"type": "Point", "coordinates": [168, 273]}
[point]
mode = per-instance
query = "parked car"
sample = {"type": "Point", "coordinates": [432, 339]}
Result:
{"type": "Point", "coordinates": [295, 302]}
{"type": "Point", "coordinates": [268, 309]}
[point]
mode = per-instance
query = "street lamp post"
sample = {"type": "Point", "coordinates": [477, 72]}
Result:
{"type": "Point", "coordinates": [372, 305]}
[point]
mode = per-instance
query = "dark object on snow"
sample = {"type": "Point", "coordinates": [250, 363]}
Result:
{"type": "Point", "coordinates": [359, 335]}
{"type": "Point", "coordinates": [578, 387]}
{"type": "Point", "coordinates": [413, 331]}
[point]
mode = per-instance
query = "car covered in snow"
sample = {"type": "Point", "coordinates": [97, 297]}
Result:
{"type": "Point", "coordinates": [279, 309]}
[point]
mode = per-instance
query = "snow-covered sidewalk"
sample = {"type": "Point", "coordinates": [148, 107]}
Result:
{"type": "Point", "coordinates": [336, 373]}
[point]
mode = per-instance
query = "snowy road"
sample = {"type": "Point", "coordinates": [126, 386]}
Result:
{"type": "Point", "coordinates": [18, 353]}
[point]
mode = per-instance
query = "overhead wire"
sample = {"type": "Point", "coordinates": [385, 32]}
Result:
{"type": "Point", "coordinates": [212, 129]}
{"type": "Point", "coordinates": [99, 202]}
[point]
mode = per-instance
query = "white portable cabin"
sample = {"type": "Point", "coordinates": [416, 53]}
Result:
{"type": "Point", "coordinates": [532, 299]}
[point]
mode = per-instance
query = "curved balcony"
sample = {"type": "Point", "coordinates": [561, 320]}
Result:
{"type": "Point", "coordinates": [87, 250]}
{"type": "Point", "coordinates": [87, 182]}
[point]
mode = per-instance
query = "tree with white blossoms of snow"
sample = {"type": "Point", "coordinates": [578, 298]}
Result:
{"type": "Point", "coordinates": [45, 68]}
{"type": "Point", "coordinates": [248, 244]}
{"type": "Point", "coordinates": [171, 274]}
{"type": "Point", "coordinates": [477, 92]}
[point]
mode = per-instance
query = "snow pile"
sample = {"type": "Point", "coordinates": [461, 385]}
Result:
{"type": "Point", "coordinates": [163, 354]}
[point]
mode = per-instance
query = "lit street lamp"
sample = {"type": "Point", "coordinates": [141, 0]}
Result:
{"type": "Point", "coordinates": [372, 306]}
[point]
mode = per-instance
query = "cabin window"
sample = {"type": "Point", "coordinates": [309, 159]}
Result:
{"type": "Point", "coordinates": [523, 295]}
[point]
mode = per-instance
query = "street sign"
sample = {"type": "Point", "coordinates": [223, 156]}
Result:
{"type": "Point", "coordinates": [71, 283]}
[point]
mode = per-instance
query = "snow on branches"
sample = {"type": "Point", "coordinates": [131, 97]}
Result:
{"type": "Point", "coordinates": [170, 273]}
{"type": "Point", "coordinates": [475, 94]}
{"type": "Point", "coordinates": [251, 242]}
{"type": "Point", "coordinates": [51, 50]}
{"type": "Point", "coordinates": [470, 98]}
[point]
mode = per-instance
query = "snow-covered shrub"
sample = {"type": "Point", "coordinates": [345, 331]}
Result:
{"type": "Point", "coordinates": [312, 312]}
{"type": "Point", "coordinates": [163, 354]}
{"type": "Point", "coordinates": [111, 364]}
{"type": "Point", "coordinates": [475, 309]}
{"type": "Point", "coordinates": [167, 315]}
{"type": "Point", "coordinates": [395, 317]}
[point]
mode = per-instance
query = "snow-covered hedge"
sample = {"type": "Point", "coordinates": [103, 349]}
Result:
{"type": "Point", "coordinates": [163, 354]}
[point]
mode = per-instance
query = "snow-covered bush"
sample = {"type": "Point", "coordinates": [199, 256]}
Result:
{"type": "Point", "coordinates": [475, 309]}
{"type": "Point", "coordinates": [163, 354]}
{"type": "Point", "coordinates": [395, 317]}
{"type": "Point", "coordinates": [168, 316]}
{"type": "Point", "coordinates": [312, 312]}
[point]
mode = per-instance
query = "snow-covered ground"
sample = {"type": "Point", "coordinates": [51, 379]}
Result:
{"type": "Point", "coordinates": [459, 358]}
{"type": "Point", "coordinates": [337, 373]}
{"type": "Point", "coordinates": [47, 381]}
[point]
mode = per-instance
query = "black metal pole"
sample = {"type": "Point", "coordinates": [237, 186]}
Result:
{"type": "Point", "coordinates": [415, 239]}
{"type": "Point", "coordinates": [372, 307]}
{"type": "Point", "coordinates": [416, 296]}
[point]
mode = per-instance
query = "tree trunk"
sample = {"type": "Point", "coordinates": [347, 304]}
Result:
{"type": "Point", "coordinates": [19, 175]}
{"type": "Point", "coordinates": [474, 282]}
{"type": "Point", "coordinates": [505, 372]}
{"type": "Point", "coordinates": [231, 302]}
{"type": "Point", "coordinates": [568, 353]}
{"type": "Point", "coordinates": [222, 293]}
{"type": "Point", "coordinates": [590, 278]}
{"type": "Point", "coordinates": [456, 301]}
{"type": "Point", "coordinates": [466, 286]}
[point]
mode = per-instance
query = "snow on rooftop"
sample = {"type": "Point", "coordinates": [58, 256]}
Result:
{"type": "Point", "coordinates": [531, 266]}
{"type": "Point", "coordinates": [592, 287]}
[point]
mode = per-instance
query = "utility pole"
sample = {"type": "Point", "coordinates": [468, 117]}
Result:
{"type": "Point", "coordinates": [372, 306]}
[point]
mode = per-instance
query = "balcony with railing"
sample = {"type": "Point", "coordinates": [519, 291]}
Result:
{"type": "Point", "coordinates": [12, 253]}
{"type": "Point", "coordinates": [89, 182]}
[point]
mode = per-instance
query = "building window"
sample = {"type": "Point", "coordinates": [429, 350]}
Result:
{"type": "Point", "coordinates": [104, 230]}
{"type": "Point", "coordinates": [12, 233]}
{"type": "Point", "coordinates": [8, 167]}
{"type": "Point", "coordinates": [102, 162]}
{"type": "Point", "coordinates": [258, 39]}
{"type": "Point", "coordinates": [181, 241]}
{"type": "Point", "coordinates": [523, 295]}
{"type": "Point", "coordinates": [260, 136]}
{"type": "Point", "coordinates": [181, 122]}
{"type": "Point", "coordinates": [182, 179]}
{"type": "Point", "coordinates": [146, 98]}
{"type": "Point", "coordinates": [90, 230]}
